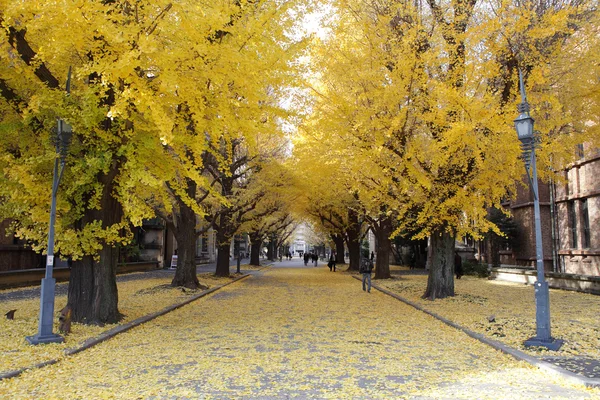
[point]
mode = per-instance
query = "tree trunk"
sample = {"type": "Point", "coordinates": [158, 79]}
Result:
{"type": "Point", "coordinates": [354, 250]}
{"type": "Point", "coordinates": [185, 274]}
{"type": "Point", "coordinates": [92, 292]}
{"type": "Point", "coordinates": [222, 260]}
{"type": "Point", "coordinates": [440, 283]}
{"type": "Point", "coordinates": [270, 251]}
{"type": "Point", "coordinates": [384, 244]}
{"type": "Point", "coordinates": [255, 249]}
{"type": "Point", "coordinates": [353, 235]}
{"type": "Point", "coordinates": [339, 249]}
{"type": "Point", "coordinates": [185, 234]}
{"type": "Point", "coordinates": [225, 232]}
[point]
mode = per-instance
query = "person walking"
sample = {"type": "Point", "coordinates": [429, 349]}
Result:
{"type": "Point", "coordinates": [305, 259]}
{"type": "Point", "coordinates": [366, 268]}
{"type": "Point", "coordinates": [331, 263]}
{"type": "Point", "coordinates": [372, 257]}
{"type": "Point", "coordinates": [458, 265]}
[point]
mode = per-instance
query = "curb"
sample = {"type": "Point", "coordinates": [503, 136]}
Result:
{"type": "Point", "coordinates": [517, 354]}
{"type": "Point", "coordinates": [104, 336]}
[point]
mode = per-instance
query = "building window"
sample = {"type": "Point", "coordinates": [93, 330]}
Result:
{"type": "Point", "coordinates": [579, 150]}
{"type": "Point", "coordinates": [199, 247]}
{"type": "Point", "coordinates": [572, 223]}
{"type": "Point", "coordinates": [586, 223]}
{"type": "Point", "coordinates": [205, 244]}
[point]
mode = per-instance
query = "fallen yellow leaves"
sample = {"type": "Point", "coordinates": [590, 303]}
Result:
{"type": "Point", "coordinates": [137, 298]}
{"type": "Point", "coordinates": [291, 333]}
{"type": "Point", "coordinates": [505, 311]}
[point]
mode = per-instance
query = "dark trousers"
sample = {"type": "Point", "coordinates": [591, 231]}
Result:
{"type": "Point", "coordinates": [366, 278]}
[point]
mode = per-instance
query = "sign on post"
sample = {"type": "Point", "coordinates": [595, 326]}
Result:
{"type": "Point", "coordinates": [174, 262]}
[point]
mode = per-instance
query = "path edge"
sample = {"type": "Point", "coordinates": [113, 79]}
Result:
{"type": "Point", "coordinates": [104, 336]}
{"type": "Point", "coordinates": [517, 354]}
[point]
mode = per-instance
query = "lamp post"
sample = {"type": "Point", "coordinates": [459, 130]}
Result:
{"type": "Point", "coordinates": [527, 136]}
{"type": "Point", "coordinates": [46, 319]}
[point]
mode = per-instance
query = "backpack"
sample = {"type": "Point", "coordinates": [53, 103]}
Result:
{"type": "Point", "coordinates": [365, 266]}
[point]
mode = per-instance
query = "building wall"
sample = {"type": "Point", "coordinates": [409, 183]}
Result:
{"type": "Point", "coordinates": [523, 252]}
{"type": "Point", "coordinates": [581, 186]}
{"type": "Point", "coordinates": [14, 255]}
{"type": "Point", "coordinates": [577, 189]}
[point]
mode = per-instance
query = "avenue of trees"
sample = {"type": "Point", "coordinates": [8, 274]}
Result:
{"type": "Point", "coordinates": [175, 108]}
{"type": "Point", "coordinates": [404, 113]}
{"type": "Point", "coordinates": [411, 105]}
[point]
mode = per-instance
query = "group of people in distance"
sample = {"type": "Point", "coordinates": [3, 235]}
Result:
{"type": "Point", "coordinates": [313, 257]}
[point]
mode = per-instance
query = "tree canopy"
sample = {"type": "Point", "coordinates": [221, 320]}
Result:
{"type": "Point", "coordinates": [401, 118]}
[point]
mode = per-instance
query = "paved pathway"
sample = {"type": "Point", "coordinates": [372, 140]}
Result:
{"type": "Point", "coordinates": [292, 332]}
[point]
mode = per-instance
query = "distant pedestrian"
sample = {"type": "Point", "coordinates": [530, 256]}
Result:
{"type": "Point", "coordinates": [458, 265]}
{"type": "Point", "coordinates": [315, 258]}
{"type": "Point", "coordinates": [413, 259]}
{"type": "Point", "coordinates": [372, 256]}
{"type": "Point", "coordinates": [331, 263]}
{"type": "Point", "coordinates": [366, 267]}
{"type": "Point", "coordinates": [305, 259]}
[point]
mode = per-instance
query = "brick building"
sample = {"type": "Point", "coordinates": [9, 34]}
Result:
{"type": "Point", "coordinates": [14, 254]}
{"type": "Point", "coordinates": [570, 216]}
{"type": "Point", "coordinates": [578, 215]}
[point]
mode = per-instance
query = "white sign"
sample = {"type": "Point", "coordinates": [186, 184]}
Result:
{"type": "Point", "coordinates": [50, 260]}
{"type": "Point", "coordinates": [174, 261]}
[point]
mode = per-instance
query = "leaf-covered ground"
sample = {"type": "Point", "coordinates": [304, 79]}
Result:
{"type": "Point", "coordinates": [137, 297]}
{"type": "Point", "coordinates": [575, 317]}
{"type": "Point", "coordinates": [292, 333]}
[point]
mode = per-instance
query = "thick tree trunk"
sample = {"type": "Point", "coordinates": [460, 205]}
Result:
{"type": "Point", "coordinates": [384, 244]}
{"type": "Point", "coordinates": [255, 249]}
{"type": "Point", "coordinates": [92, 293]}
{"type": "Point", "coordinates": [339, 249]}
{"type": "Point", "coordinates": [440, 283]}
{"type": "Point", "coordinates": [222, 260]}
{"type": "Point", "coordinates": [185, 274]}
{"type": "Point", "coordinates": [185, 234]}
{"type": "Point", "coordinates": [225, 232]}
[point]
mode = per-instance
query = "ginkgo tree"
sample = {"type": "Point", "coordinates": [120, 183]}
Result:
{"type": "Point", "coordinates": [225, 117]}
{"type": "Point", "coordinates": [153, 84]}
{"type": "Point", "coordinates": [421, 101]}
{"type": "Point", "coordinates": [388, 102]}
{"type": "Point", "coordinates": [101, 41]}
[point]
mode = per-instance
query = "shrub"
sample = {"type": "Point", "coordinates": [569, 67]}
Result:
{"type": "Point", "coordinates": [475, 268]}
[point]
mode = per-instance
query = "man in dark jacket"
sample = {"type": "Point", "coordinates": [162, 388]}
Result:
{"type": "Point", "coordinates": [458, 265]}
{"type": "Point", "coordinates": [366, 267]}
{"type": "Point", "coordinates": [331, 263]}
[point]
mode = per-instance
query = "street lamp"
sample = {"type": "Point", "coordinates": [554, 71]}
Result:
{"type": "Point", "coordinates": [527, 136]}
{"type": "Point", "coordinates": [46, 318]}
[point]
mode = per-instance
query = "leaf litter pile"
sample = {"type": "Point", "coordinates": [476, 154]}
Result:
{"type": "Point", "coordinates": [291, 333]}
